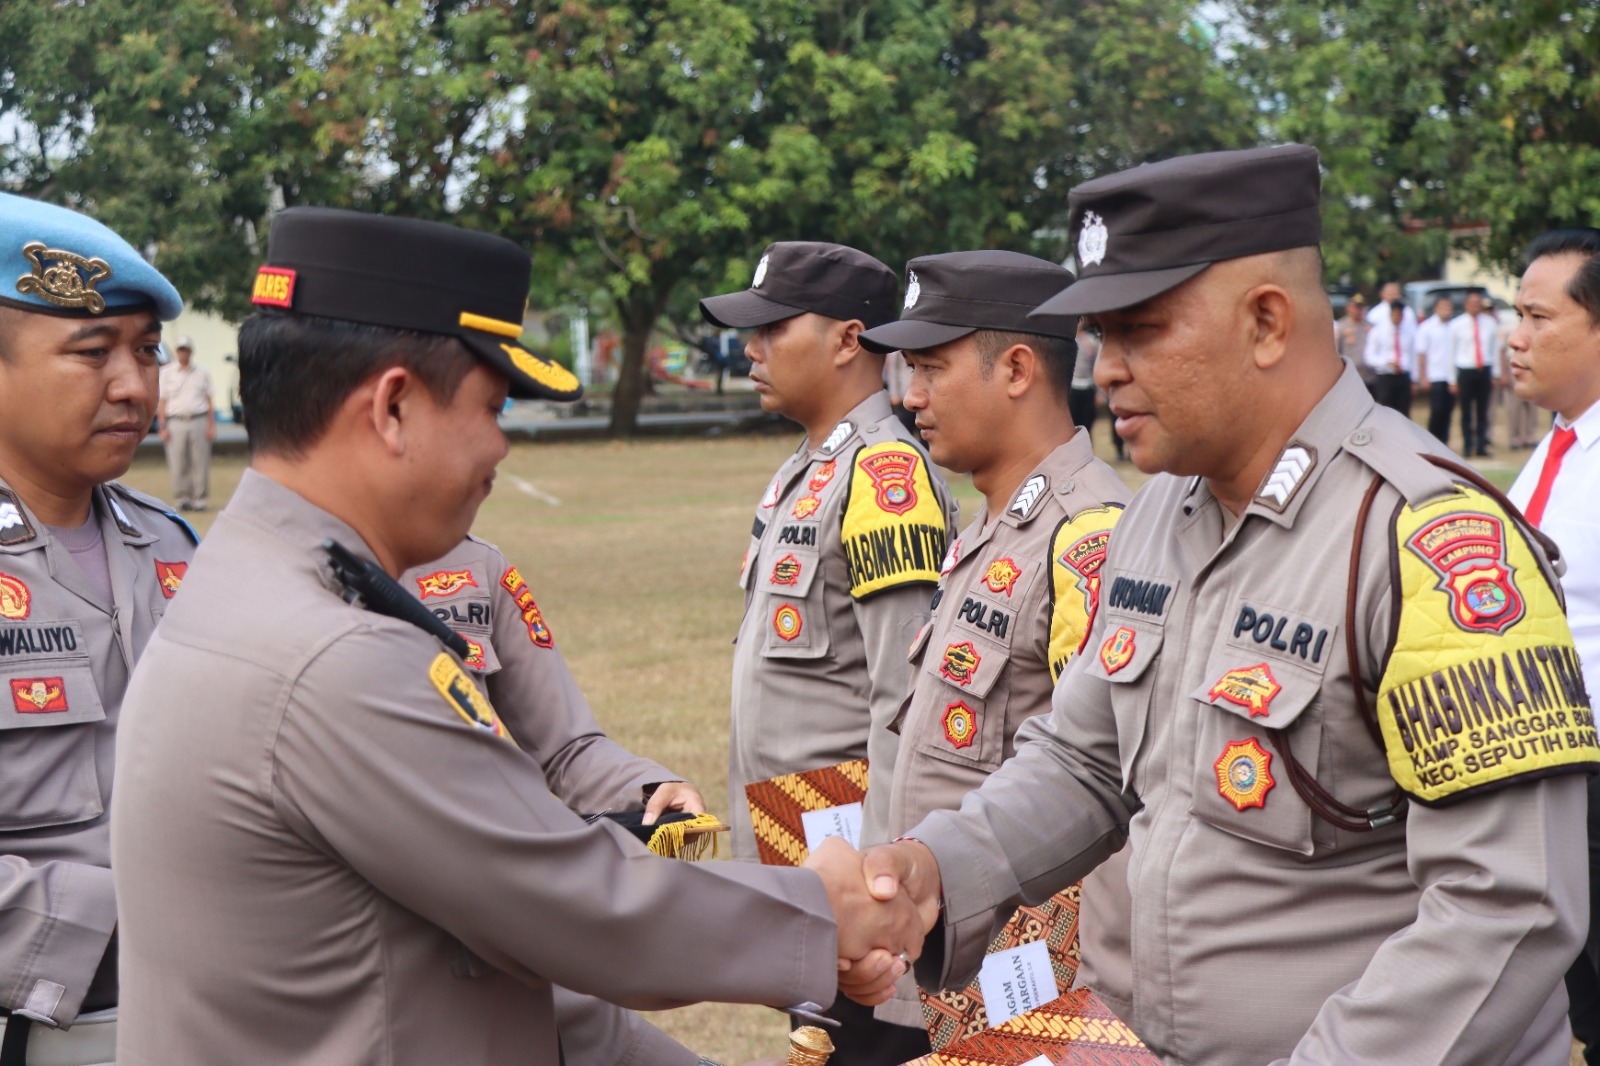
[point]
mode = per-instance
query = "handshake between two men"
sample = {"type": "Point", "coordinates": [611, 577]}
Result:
{"type": "Point", "coordinates": [885, 900]}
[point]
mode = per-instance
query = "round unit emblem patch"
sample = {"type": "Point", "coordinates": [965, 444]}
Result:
{"type": "Point", "coordinates": [15, 599]}
{"type": "Point", "coordinates": [1244, 775]}
{"type": "Point", "coordinates": [786, 622]}
{"type": "Point", "coordinates": [960, 725]}
{"type": "Point", "coordinates": [1118, 650]}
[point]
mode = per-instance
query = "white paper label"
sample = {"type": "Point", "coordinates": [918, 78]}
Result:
{"type": "Point", "coordinates": [844, 821]}
{"type": "Point", "coordinates": [1016, 981]}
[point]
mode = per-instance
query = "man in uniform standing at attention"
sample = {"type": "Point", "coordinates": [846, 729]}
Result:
{"type": "Point", "coordinates": [86, 570]}
{"type": "Point", "coordinates": [330, 848]}
{"type": "Point", "coordinates": [1477, 353]}
{"type": "Point", "coordinates": [844, 552]}
{"type": "Point", "coordinates": [1329, 694]}
{"type": "Point", "coordinates": [188, 426]}
{"type": "Point", "coordinates": [1554, 355]}
{"type": "Point", "coordinates": [991, 389]}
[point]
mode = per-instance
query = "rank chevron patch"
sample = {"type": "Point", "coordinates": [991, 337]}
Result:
{"type": "Point", "coordinates": [1287, 476]}
{"type": "Point", "coordinates": [840, 434]}
{"type": "Point", "coordinates": [1029, 495]}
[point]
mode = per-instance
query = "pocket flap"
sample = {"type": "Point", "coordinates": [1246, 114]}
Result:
{"type": "Point", "coordinates": [50, 692]}
{"type": "Point", "coordinates": [787, 572]}
{"type": "Point", "coordinates": [1268, 690]}
{"type": "Point", "coordinates": [967, 662]}
{"type": "Point", "coordinates": [1125, 651]}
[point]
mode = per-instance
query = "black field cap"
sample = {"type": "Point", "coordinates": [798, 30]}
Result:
{"type": "Point", "coordinates": [1149, 229]}
{"type": "Point", "coordinates": [794, 277]}
{"type": "Point", "coordinates": [408, 274]}
{"type": "Point", "coordinates": [949, 296]}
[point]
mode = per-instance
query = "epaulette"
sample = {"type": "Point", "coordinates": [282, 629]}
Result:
{"type": "Point", "coordinates": [1397, 459]}
{"type": "Point", "coordinates": [148, 503]}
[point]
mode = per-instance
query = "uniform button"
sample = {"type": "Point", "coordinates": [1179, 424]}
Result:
{"type": "Point", "coordinates": [873, 428]}
{"type": "Point", "coordinates": [1066, 487]}
{"type": "Point", "coordinates": [1361, 437]}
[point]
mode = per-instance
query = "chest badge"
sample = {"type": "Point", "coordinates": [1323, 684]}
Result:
{"type": "Point", "coordinates": [770, 498]}
{"type": "Point", "coordinates": [1118, 649]}
{"type": "Point", "coordinates": [170, 576]}
{"type": "Point", "coordinates": [1002, 576]}
{"type": "Point", "coordinates": [444, 583]}
{"type": "Point", "coordinates": [806, 506]}
{"type": "Point", "coordinates": [786, 571]}
{"type": "Point", "coordinates": [38, 695]}
{"type": "Point", "coordinates": [474, 657]}
{"type": "Point", "coordinates": [960, 662]}
{"type": "Point", "coordinates": [1252, 687]}
{"type": "Point", "coordinates": [951, 557]}
{"type": "Point", "coordinates": [960, 725]}
{"type": "Point", "coordinates": [786, 622]}
{"type": "Point", "coordinates": [1467, 550]}
{"type": "Point", "coordinates": [1244, 774]}
{"type": "Point", "coordinates": [824, 474]}
{"type": "Point", "coordinates": [15, 599]}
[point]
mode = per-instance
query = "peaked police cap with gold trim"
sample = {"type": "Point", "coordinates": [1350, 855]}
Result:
{"type": "Point", "coordinates": [55, 261]}
{"type": "Point", "coordinates": [408, 274]}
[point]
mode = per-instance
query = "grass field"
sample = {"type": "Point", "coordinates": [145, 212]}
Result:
{"type": "Point", "coordinates": [633, 550]}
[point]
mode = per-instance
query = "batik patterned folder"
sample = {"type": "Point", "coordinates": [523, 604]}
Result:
{"type": "Point", "coordinates": [776, 806]}
{"type": "Point", "coordinates": [1074, 1030]}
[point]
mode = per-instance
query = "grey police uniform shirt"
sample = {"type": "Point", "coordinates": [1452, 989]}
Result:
{"type": "Point", "coordinates": [1019, 592]}
{"type": "Point", "coordinates": [843, 558]}
{"type": "Point", "coordinates": [67, 653]}
{"type": "Point", "coordinates": [1261, 933]}
{"type": "Point", "coordinates": [329, 850]}
{"type": "Point", "coordinates": [515, 660]}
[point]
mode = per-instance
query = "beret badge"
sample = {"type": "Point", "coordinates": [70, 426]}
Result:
{"type": "Point", "coordinates": [64, 278]}
{"type": "Point", "coordinates": [1092, 241]}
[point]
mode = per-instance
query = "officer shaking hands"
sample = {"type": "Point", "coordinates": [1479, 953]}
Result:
{"type": "Point", "coordinates": [1329, 695]}
{"type": "Point", "coordinates": [335, 850]}
{"type": "Point", "coordinates": [87, 569]}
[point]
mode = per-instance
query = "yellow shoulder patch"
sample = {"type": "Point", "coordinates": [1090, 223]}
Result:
{"type": "Point", "coordinates": [459, 692]}
{"type": "Point", "coordinates": [1483, 684]}
{"type": "Point", "coordinates": [894, 528]}
{"type": "Point", "coordinates": [1077, 550]}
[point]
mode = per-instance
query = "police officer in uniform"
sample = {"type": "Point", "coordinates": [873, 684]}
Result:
{"type": "Point", "coordinates": [514, 661]}
{"type": "Point", "coordinates": [332, 848]}
{"type": "Point", "coordinates": [1329, 694]}
{"type": "Point", "coordinates": [87, 568]}
{"type": "Point", "coordinates": [845, 548]}
{"type": "Point", "coordinates": [990, 388]}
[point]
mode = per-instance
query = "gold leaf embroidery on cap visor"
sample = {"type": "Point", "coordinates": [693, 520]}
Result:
{"type": "Point", "coordinates": [550, 375]}
{"type": "Point", "coordinates": [64, 278]}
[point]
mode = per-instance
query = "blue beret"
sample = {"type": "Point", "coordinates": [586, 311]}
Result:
{"type": "Point", "coordinates": [59, 262]}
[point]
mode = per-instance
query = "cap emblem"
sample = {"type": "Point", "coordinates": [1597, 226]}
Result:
{"type": "Point", "coordinates": [1092, 241]}
{"type": "Point", "coordinates": [913, 289]}
{"type": "Point", "coordinates": [761, 273]}
{"type": "Point", "coordinates": [67, 281]}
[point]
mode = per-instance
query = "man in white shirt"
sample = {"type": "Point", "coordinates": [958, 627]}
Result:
{"type": "Point", "coordinates": [1555, 363]}
{"type": "Point", "coordinates": [1475, 338]}
{"type": "Point", "coordinates": [1391, 355]}
{"type": "Point", "coordinates": [1435, 360]}
{"type": "Point", "coordinates": [1388, 298]}
{"type": "Point", "coordinates": [187, 426]}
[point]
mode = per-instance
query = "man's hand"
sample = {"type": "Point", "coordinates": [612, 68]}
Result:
{"type": "Point", "coordinates": [906, 866]}
{"type": "Point", "coordinates": [880, 927]}
{"type": "Point", "coordinates": [161, 432]}
{"type": "Point", "coordinates": [673, 796]}
{"type": "Point", "coordinates": [211, 428]}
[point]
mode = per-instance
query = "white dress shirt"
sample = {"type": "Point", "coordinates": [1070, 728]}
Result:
{"type": "Point", "coordinates": [1572, 520]}
{"type": "Point", "coordinates": [1380, 313]}
{"type": "Point", "coordinates": [1435, 353]}
{"type": "Point", "coordinates": [1380, 353]}
{"type": "Point", "coordinates": [1488, 339]}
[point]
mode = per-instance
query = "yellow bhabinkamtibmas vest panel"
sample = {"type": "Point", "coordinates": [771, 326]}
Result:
{"type": "Point", "coordinates": [1483, 685]}
{"type": "Point", "coordinates": [894, 529]}
{"type": "Point", "coordinates": [1077, 551]}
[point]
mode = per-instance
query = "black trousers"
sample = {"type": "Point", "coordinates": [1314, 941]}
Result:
{"type": "Point", "coordinates": [1441, 405]}
{"type": "Point", "coordinates": [1081, 404]}
{"type": "Point", "coordinates": [1473, 386]}
{"type": "Point", "coordinates": [1393, 390]}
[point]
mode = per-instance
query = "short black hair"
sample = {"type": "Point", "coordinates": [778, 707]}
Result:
{"type": "Point", "coordinates": [1057, 353]}
{"type": "Point", "coordinates": [296, 370]}
{"type": "Point", "coordinates": [1575, 240]}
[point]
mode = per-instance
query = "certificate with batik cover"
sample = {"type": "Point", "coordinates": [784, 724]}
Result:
{"type": "Point", "coordinates": [957, 1014]}
{"type": "Point", "coordinates": [778, 806]}
{"type": "Point", "coordinates": [1073, 1030]}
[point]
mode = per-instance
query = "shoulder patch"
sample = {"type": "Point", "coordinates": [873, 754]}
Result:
{"type": "Point", "coordinates": [1077, 551]}
{"type": "Point", "coordinates": [459, 692]}
{"type": "Point", "coordinates": [522, 596]}
{"type": "Point", "coordinates": [1483, 685]}
{"type": "Point", "coordinates": [894, 529]}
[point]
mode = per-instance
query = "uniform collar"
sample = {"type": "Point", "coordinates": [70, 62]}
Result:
{"type": "Point", "coordinates": [1586, 425]}
{"type": "Point", "coordinates": [1054, 474]}
{"type": "Point", "coordinates": [289, 517]}
{"type": "Point", "coordinates": [866, 414]}
{"type": "Point", "coordinates": [1303, 458]}
{"type": "Point", "coordinates": [21, 530]}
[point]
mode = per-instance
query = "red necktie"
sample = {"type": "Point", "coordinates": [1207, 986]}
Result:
{"type": "Point", "coordinates": [1397, 347]}
{"type": "Point", "coordinates": [1477, 344]}
{"type": "Point", "coordinates": [1559, 443]}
